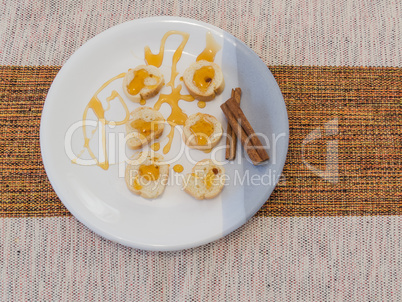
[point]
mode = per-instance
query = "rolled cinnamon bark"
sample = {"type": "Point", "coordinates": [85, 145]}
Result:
{"type": "Point", "coordinates": [231, 136]}
{"type": "Point", "coordinates": [248, 129]}
{"type": "Point", "coordinates": [245, 140]}
{"type": "Point", "coordinates": [230, 140]}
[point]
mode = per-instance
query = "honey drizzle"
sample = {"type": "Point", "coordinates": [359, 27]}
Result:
{"type": "Point", "coordinates": [96, 106]}
{"type": "Point", "coordinates": [211, 48]}
{"type": "Point", "coordinates": [143, 127]}
{"type": "Point", "coordinates": [136, 184]}
{"type": "Point", "coordinates": [138, 82]}
{"type": "Point", "coordinates": [149, 172]}
{"type": "Point", "coordinates": [177, 116]}
{"type": "Point", "coordinates": [156, 60]}
{"type": "Point", "coordinates": [74, 161]}
{"type": "Point", "coordinates": [178, 168]}
{"type": "Point", "coordinates": [170, 136]}
{"type": "Point", "coordinates": [203, 77]}
{"type": "Point", "coordinates": [201, 104]}
{"type": "Point", "coordinates": [156, 146]}
{"type": "Point", "coordinates": [209, 179]}
{"type": "Point", "coordinates": [110, 98]}
{"type": "Point", "coordinates": [202, 130]}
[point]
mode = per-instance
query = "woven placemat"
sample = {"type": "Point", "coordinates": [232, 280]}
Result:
{"type": "Point", "coordinates": [345, 118]}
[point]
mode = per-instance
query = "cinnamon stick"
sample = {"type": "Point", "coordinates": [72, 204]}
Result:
{"type": "Point", "coordinates": [248, 129]}
{"type": "Point", "coordinates": [251, 151]}
{"type": "Point", "coordinates": [230, 140]}
{"type": "Point", "coordinates": [231, 136]}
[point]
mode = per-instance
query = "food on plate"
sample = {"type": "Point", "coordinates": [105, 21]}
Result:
{"type": "Point", "coordinates": [144, 125]}
{"type": "Point", "coordinates": [142, 83]}
{"type": "Point", "coordinates": [146, 175]}
{"type": "Point", "coordinates": [243, 129]}
{"type": "Point", "coordinates": [178, 168]}
{"type": "Point", "coordinates": [231, 136]}
{"type": "Point", "coordinates": [202, 131]}
{"type": "Point", "coordinates": [206, 180]}
{"type": "Point", "coordinates": [204, 80]}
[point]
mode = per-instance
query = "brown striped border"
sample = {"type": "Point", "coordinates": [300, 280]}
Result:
{"type": "Point", "coordinates": [364, 102]}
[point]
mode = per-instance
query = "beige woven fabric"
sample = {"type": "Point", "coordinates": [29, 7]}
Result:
{"type": "Point", "coordinates": [293, 32]}
{"type": "Point", "coordinates": [268, 259]}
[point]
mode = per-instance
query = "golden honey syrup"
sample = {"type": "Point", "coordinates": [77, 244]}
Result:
{"type": "Point", "coordinates": [178, 168]}
{"type": "Point", "coordinates": [210, 177]}
{"type": "Point", "coordinates": [144, 127]}
{"type": "Point", "coordinates": [202, 129]}
{"type": "Point", "coordinates": [156, 146]}
{"type": "Point", "coordinates": [203, 77]}
{"type": "Point", "coordinates": [149, 172]}
{"type": "Point", "coordinates": [177, 116]}
{"type": "Point", "coordinates": [156, 60]}
{"type": "Point", "coordinates": [211, 48]}
{"type": "Point", "coordinates": [96, 106]}
{"type": "Point", "coordinates": [170, 136]}
{"type": "Point", "coordinates": [201, 104]}
{"type": "Point", "coordinates": [138, 82]}
{"type": "Point", "coordinates": [136, 184]}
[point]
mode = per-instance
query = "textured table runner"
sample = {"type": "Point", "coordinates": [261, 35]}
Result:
{"type": "Point", "coordinates": [331, 230]}
{"type": "Point", "coordinates": [363, 106]}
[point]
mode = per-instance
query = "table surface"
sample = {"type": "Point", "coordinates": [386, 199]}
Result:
{"type": "Point", "coordinates": [331, 230]}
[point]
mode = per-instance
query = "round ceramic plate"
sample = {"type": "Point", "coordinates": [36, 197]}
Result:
{"type": "Point", "coordinates": [99, 197]}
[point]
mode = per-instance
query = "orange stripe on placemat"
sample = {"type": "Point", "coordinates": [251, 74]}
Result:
{"type": "Point", "coordinates": [346, 120]}
{"type": "Point", "coordinates": [344, 151]}
{"type": "Point", "coordinates": [25, 189]}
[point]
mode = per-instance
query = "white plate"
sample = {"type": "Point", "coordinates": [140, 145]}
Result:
{"type": "Point", "coordinates": [99, 198]}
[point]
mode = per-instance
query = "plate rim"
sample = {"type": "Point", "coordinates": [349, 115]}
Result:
{"type": "Point", "coordinates": [102, 232]}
